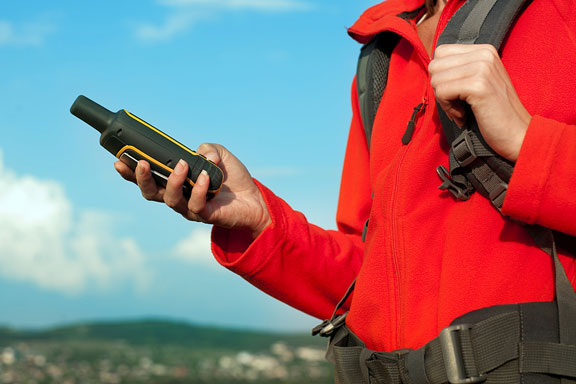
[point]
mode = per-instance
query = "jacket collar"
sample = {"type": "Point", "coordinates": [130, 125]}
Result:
{"type": "Point", "coordinates": [395, 16]}
{"type": "Point", "coordinates": [390, 15]}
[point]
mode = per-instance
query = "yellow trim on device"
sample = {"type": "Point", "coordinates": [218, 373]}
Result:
{"type": "Point", "coordinates": [153, 160]}
{"type": "Point", "coordinates": [166, 136]}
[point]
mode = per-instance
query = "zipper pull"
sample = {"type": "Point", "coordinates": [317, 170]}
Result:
{"type": "Point", "coordinates": [412, 123]}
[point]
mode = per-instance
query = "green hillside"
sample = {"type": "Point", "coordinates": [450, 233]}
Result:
{"type": "Point", "coordinates": [147, 332]}
{"type": "Point", "coordinates": [159, 351]}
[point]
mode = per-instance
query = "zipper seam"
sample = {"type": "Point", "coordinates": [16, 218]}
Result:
{"type": "Point", "coordinates": [394, 250]}
{"type": "Point", "coordinates": [394, 243]}
{"type": "Point", "coordinates": [393, 208]}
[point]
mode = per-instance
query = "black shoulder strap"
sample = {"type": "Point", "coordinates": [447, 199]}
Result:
{"type": "Point", "coordinates": [372, 77]}
{"type": "Point", "coordinates": [473, 164]}
{"type": "Point", "coordinates": [482, 22]}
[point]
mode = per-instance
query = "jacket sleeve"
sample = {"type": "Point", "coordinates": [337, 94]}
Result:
{"type": "Point", "coordinates": [297, 262]}
{"type": "Point", "coordinates": [543, 185]}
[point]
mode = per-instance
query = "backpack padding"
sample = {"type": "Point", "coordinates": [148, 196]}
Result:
{"type": "Point", "coordinates": [372, 76]}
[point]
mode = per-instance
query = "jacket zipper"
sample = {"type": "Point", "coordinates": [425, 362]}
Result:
{"type": "Point", "coordinates": [394, 247]}
{"type": "Point", "coordinates": [419, 109]}
{"type": "Point", "coordinates": [407, 137]}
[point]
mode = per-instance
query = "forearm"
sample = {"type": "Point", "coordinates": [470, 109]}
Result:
{"type": "Point", "coordinates": [292, 260]}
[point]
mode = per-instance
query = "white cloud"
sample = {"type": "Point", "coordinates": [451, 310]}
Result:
{"type": "Point", "coordinates": [174, 24]}
{"type": "Point", "coordinates": [195, 249]}
{"type": "Point", "coordinates": [32, 33]}
{"type": "Point", "coordinates": [183, 14]}
{"type": "Point", "coordinates": [43, 241]}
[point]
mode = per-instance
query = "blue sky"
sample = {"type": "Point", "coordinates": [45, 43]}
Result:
{"type": "Point", "coordinates": [269, 79]}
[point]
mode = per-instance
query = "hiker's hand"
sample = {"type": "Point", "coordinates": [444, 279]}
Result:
{"type": "Point", "coordinates": [474, 74]}
{"type": "Point", "coordinates": [239, 204]}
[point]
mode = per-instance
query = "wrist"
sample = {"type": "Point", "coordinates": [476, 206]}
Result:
{"type": "Point", "coordinates": [518, 138]}
{"type": "Point", "coordinates": [264, 219]}
{"type": "Point", "coordinates": [260, 228]}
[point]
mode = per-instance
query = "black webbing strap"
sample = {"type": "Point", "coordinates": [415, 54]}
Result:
{"type": "Point", "coordinates": [473, 164]}
{"type": "Point", "coordinates": [548, 358]}
{"type": "Point", "coordinates": [565, 297]}
{"type": "Point", "coordinates": [492, 350]}
{"type": "Point", "coordinates": [328, 327]}
{"type": "Point", "coordinates": [482, 22]}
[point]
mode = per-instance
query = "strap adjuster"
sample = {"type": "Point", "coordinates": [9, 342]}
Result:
{"type": "Point", "coordinates": [453, 358]}
{"type": "Point", "coordinates": [463, 149]}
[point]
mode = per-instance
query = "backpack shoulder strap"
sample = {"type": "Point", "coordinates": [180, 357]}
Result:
{"type": "Point", "coordinates": [372, 76]}
{"type": "Point", "coordinates": [478, 22]}
{"type": "Point", "coordinates": [473, 164]}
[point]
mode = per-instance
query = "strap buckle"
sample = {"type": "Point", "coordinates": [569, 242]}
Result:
{"type": "Point", "coordinates": [463, 149]}
{"type": "Point", "coordinates": [453, 358]}
{"type": "Point", "coordinates": [449, 184]}
{"type": "Point", "coordinates": [328, 327]}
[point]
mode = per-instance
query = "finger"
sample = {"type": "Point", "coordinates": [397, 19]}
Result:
{"type": "Point", "coordinates": [197, 201]}
{"type": "Point", "coordinates": [477, 62]}
{"type": "Point", "coordinates": [455, 111]}
{"type": "Point", "coordinates": [145, 181]}
{"type": "Point", "coordinates": [462, 74]}
{"type": "Point", "coordinates": [173, 196]}
{"type": "Point", "coordinates": [452, 96]}
{"type": "Point", "coordinates": [453, 88]}
{"type": "Point", "coordinates": [211, 151]}
{"type": "Point", "coordinates": [446, 50]}
{"type": "Point", "coordinates": [125, 171]}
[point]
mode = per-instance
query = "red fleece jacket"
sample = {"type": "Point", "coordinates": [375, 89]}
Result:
{"type": "Point", "coordinates": [429, 258]}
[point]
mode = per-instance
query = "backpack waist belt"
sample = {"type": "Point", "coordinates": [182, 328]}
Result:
{"type": "Point", "coordinates": [500, 344]}
{"type": "Point", "coordinates": [528, 343]}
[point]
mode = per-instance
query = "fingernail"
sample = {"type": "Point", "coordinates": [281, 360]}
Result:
{"type": "Point", "coordinates": [179, 169]}
{"type": "Point", "coordinates": [202, 180]}
{"type": "Point", "coordinates": [211, 156]}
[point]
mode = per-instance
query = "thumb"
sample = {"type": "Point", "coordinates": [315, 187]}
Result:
{"type": "Point", "coordinates": [213, 152]}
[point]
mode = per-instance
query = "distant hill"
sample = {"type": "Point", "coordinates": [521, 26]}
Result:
{"type": "Point", "coordinates": [156, 351]}
{"type": "Point", "coordinates": [161, 332]}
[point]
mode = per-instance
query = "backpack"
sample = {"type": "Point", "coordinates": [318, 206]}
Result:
{"type": "Point", "coordinates": [525, 343]}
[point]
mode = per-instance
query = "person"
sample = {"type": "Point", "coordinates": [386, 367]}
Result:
{"type": "Point", "coordinates": [427, 258]}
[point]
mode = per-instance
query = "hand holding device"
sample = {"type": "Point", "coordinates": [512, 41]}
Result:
{"type": "Point", "coordinates": [131, 139]}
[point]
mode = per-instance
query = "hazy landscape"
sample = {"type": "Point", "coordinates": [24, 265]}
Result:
{"type": "Point", "coordinates": [159, 351]}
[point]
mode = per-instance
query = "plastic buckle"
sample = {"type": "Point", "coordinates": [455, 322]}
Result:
{"type": "Point", "coordinates": [465, 139]}
{"type": "Point", "coordinates": [449, 184]}
{"type": "Point", "coordinates": [452, 353]}
{"type": "Point", "coordinates": [317, 329]}
{"type": "Point", "coordinates": [329, 326]}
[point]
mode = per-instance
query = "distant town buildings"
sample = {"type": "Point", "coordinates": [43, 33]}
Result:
{"type": "Point", "coordinates": [41, 363]}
